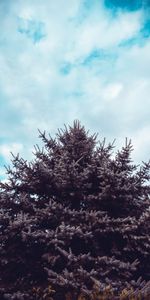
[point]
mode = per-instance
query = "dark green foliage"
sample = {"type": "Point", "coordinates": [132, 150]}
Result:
{"type": "Point", "coordinates": [74, 217]}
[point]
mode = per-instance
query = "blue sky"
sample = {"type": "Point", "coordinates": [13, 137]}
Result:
{"type": "Point", "coordinates": [74, 59]}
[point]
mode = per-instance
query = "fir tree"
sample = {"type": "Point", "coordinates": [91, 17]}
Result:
{"type": "Point", "coordinates": [74, 218]}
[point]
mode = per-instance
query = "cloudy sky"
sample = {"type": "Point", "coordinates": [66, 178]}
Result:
{"type": "Point", "coordinates": [74, 59]}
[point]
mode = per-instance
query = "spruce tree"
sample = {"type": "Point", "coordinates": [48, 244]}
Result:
{"type": "Point", "coordinates": [76, 219]}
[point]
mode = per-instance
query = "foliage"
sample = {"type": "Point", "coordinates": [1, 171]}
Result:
{"type": "Point", "coordinates": [75, 218]}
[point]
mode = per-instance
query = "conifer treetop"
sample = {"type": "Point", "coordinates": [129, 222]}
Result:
{"type": "Point", "coordinates": [73, 217]}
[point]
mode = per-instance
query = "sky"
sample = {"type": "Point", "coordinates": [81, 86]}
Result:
{"type": "Point", "coordinates": [74, 59]}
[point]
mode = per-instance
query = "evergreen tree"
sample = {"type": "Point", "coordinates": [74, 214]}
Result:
{"type": "Point", "coordinates": [75, 219]}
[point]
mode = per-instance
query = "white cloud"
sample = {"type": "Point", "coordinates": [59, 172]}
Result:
{"type": "Point", "coordinates": [112, 91]}
{"type": "Point", "coordinates": [103, 32]}
{"type": "Point", "coordinates": [141, 143]}
{"type": "Point", "coordinates": [6, 149]}
{"type": "Point", "coordinates": [108, 95]}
